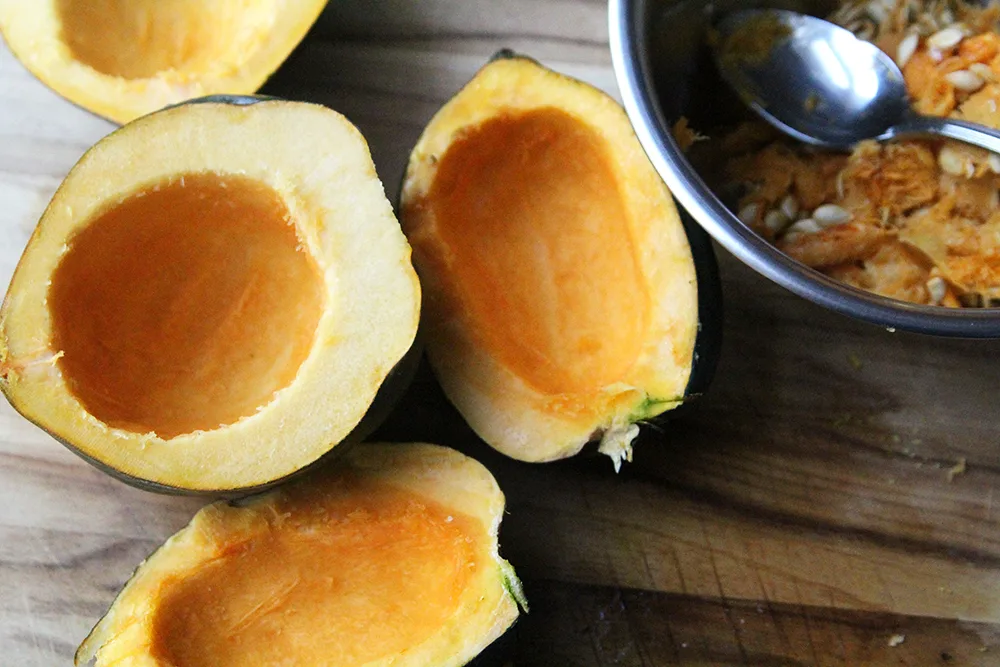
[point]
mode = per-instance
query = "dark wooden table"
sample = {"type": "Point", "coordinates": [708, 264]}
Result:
{"type": "Point", "coordinates": [829, 502]}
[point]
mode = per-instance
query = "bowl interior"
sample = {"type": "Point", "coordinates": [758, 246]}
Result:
{"type": "Point", "coordinates": [665, 71]}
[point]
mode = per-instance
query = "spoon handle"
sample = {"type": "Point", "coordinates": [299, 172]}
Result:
{"type": "Point", "coordinates": [970, 133]}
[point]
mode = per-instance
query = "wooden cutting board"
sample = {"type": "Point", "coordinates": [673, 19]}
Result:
{"type": "Point", "coordinates": [829, 502]}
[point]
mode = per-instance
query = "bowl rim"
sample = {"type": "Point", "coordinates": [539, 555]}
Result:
{"type": "Point", "coordinates": [629, 46]}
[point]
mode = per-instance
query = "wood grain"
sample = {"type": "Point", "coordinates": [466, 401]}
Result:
{"type": "Point", "coordinates": [635, 628]}
{"type": "Point", "coordinates": [679, 520]}
{"type": "Point", "coordinates": [801, 513]}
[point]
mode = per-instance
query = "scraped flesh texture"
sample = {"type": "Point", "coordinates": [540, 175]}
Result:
{"type": "Point", "coordinates": [186, 306]}
{"type": "Point", "coordinates": [355, 573]}
{"type": "Point", "coordinates": [136, 39]}
{"type": "Point", "coordinates": [541, 252]}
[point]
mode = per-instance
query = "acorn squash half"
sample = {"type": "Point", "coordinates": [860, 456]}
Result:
{"type": "Point", "coordinates": [561, 297]}
{"type": "Point", "coordinates": [213, 298]}
{"type": "Point", "coordinates": [122, 59]}
{"type": "Point", "coordinates": [388, 558]}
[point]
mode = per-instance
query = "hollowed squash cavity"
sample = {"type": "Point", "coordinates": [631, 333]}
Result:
{"type": "Point", "coordinates": [213, 298]}
{"type": "Point", "coordinates": [562, 298]}
{"type": "Point", "coordinates": [524, 200]}
{"type": "Point", "coordinates": [124, 58]}
{"type": "Point", "coordinates": [185, 306]}
{"type": "Point", "coordinates": [366, 571]}
{"type": "Point", "coordinates": [138, 39]}
{"type": "Point", "coordinates": [390, 559]}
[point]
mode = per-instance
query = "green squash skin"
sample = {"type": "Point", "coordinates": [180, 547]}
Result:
{"type": "Point", "coordinates": [235, 100]}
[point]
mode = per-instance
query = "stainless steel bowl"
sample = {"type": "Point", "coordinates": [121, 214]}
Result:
{"type": "Point", "coordinates": [664, 71]}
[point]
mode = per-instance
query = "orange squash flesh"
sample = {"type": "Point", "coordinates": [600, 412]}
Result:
{"type": "Point", "coordinates": [562, 298]}
{"type": "Point", "coordinates": [138, 39]}
{"type": "Point", "coordinates": [216, 296]}
{"type": "Point", "coordinates": [401, 564]}
{"type": "Point", "coordinates": [122, 59]}
{"type": "Point", "coordinates": [389, 559]}
{"type": "Point", "coordinates": [226, 313]}
{"type": "Point", "coordinates": [537, 189]}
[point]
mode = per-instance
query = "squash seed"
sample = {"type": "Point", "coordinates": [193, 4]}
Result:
{"type": "Point", "coordinates": [936, 289]}
{"type": "Point", "coordinates": [829, 215]}
{"type": "Point", "coordinates": [776, 220]}
{"type": "Point", "coordinates": [965, 80]}
{"type": "Point", "coordinates": [790, 207]}
{"type": "Point", "coordinates": [994, 162]}
{"type": "Point", "coordinates": [984, 72]}
{"type": "Point", "coordinates": [947, 39]}
{"type": "Point", "coordinates": [748, 214]}
{"type": "Point", "coordinates": [878, 12]}
{"type": "Point", "coordinates": [907, 47]}
{"type": "Point", "coordinates": [951, 161]}
{"type": "Point", "coordinates": [804, 226]}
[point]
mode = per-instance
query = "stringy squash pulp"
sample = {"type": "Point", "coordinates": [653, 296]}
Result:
{"type": "Point", "coordinates": [561, 292]}
{"type": "Point", "coordinates": [124, 58]}
{"type": "Point", "coordinates": [389, 560]}
{"type": "Point", "coordinates": [213, 297]}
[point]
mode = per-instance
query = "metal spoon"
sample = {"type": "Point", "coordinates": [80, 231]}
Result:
{"type": "Point", "coordinates": [822, 85]}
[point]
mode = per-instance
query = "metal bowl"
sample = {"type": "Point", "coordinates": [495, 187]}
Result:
{"type": "Point", "coordinates": [664, 71]}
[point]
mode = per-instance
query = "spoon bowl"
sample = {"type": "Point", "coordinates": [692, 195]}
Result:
{"type": "Point", "coordinates": [822, 85]}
